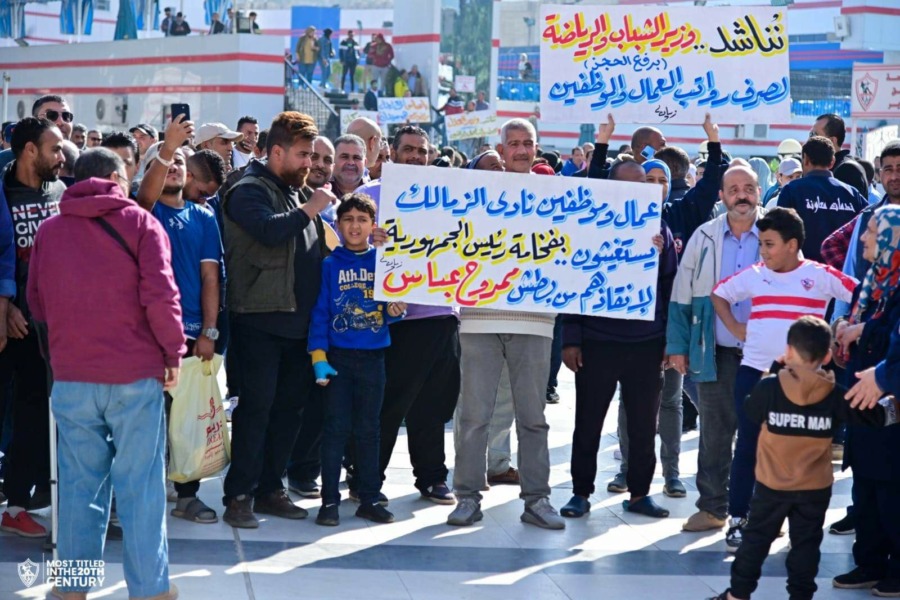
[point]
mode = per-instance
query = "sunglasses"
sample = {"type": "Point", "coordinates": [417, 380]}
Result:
{"type": "Point", "coordinates": [53, 115]}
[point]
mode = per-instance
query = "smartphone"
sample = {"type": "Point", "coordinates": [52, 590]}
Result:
{"type": "Point", "coordinates": [648, 152]}
{"type": "Point", "coordinates": [185, 109]}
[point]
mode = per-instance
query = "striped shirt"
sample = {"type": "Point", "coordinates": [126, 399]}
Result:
{"type": "Point", "coordinates": [779, 299]}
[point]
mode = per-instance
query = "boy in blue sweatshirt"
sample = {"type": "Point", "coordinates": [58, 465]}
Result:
{"type": "Point", "coordinates": [352, 327]}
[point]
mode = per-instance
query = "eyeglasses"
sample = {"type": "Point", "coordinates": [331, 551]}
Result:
{"type": "Point", "coordinates": [53, 115]}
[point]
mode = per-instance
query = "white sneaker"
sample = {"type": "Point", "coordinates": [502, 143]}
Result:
{"type": "Point", "coordinates": [542, 514]}
{"type": "Point", "coordinates": [231, 405]}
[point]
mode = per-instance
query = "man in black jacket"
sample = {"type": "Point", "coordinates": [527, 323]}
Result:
{"type": "Point", "coordinates": [273, 255]}
{"type": "Point", "coordinates": [832, 126]}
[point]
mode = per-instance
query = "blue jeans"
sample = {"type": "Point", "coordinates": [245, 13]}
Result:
{"type": "Point", "coordinates": [326, 72]}
{"type": "Point", "coordinates": [114, 436]}
{"type": "Point", "coordinates": [306, 70]}
{"type": "Point", "coordinates": [743, 477]}
{"type": "Point", "coordinates": [353, 401]}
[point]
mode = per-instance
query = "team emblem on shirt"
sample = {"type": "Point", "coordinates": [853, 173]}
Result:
{"type": "Point", "coordinates": [807, 284]}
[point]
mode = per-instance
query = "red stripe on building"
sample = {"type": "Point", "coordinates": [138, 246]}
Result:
{"type": "Point", "coordinates": [420, 38]}
{"type": "Point", "coordinates": [31, 13]}
{"type": "Point", "coordinates": [153, 89]}
{"type": "Point", "coordinates": [870, 10]}
{"type": "Point", "coordinates": [789, 300]}
{"type": "Point", "coordinates": [782, 314]}
{"type": "Point", "coordinates": [146, 60]}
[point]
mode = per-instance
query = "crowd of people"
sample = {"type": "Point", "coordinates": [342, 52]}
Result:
{"type": "Point", "coordinates": [121, 254]}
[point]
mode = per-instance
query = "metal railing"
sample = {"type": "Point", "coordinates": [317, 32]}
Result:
{"type": "Point", "coordinates": [302, 96]}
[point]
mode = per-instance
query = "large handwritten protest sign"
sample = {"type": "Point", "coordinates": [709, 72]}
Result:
{"type": "Point", "coordinates": [650, 64]}
{"type": "Point", "coordinates": [403, 110]}
{"type": "Point", "coordinates": [876, 91]}
{"type": "Point", "coordinates": [477, 124]}
{"type": "Point", "coordinates": [523, 242]}
{"type": "Point", "coordinates": [348, 115]}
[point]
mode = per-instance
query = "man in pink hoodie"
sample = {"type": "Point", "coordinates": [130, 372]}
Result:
{"type": "Point", "coordinates": [101, 280]}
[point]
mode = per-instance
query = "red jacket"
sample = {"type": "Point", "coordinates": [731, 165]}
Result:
{"type": "Point", "coordinates": [110, 319]}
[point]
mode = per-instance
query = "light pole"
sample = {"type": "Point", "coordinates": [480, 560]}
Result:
{"type": "Point", "coordinates": [6, 80]}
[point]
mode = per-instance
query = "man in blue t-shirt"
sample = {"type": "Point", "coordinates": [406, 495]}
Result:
{"type": "Point", "coordinates": [196, 259]}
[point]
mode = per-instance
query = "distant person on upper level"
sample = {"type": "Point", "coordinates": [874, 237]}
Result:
{"type": "Point", "coordinates": [216, 26]}
{"type": "Point", "coordinates": [166, 25]}
{"type": "Point", "coordinates": [180, 27]}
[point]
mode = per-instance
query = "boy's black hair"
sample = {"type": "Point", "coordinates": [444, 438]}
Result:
{"type": "Point", "coordinates": [810, 337]}
{"type": "Point", "coordinates": [786, 222]}
{"type": "Point", "coordinates": [361, 202]}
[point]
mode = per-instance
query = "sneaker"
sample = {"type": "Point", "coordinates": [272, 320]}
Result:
{"type": "Point", "coordinates": [857, 579]}
{"type": "Point", "coordinates": [382, 499]}
{"type": "Point", "coordinates": [887, 588]}
{"type": "Point", "coordinates": [576, 508]}
{"type": "Point", "coordinates": [552, 397]}
{"type": "Point", "coordinates": [733, 535]}
{"type": "Point", "coordinates": [238, 513]}
{"type": "Point", "coordinates": [439, 494]}
{"type": "Point", "coordinates": [232, 404]}
{"type": "Point", "coordinates": [279, 504]}
{"type": "Point", "coordinates": [22, 524]}
{"type": "Point", "coordinates": [618, 485]}
{"type": "Point", "coordinates": [837, 452]}
{"type": "Point", "coordinates": [674, 488]}
{"type": "Point", "coordinates": [509, 477]}
{"type": "Point", "coordinates": [703, 520]}
{"type": "Point", "coordinates": [542, 514]}
{"type": "Point", "coordinates": [466, 513]}
{"type": "Point", "coordinates": [375, 512]}
{"type": "Point", "coordinates": [846, 526]}
{"type": "Point", "coordinates": [304, 489]}
{"type": "Point", "coordinates": [328, 516]}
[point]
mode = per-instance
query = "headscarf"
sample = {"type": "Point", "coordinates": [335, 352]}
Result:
{"type": "Point", "coordinates": [884, 274]}
{"type": "Point", "coordinates": [655, 163]}
{"type": "Point", "coordinates": [763, 174]}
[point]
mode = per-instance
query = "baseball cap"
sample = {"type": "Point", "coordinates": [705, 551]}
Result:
{"type": "Point", "coordinates": [209, 131]}
{"type": "Point", "coordinates": [789, 166]}
{"type": "Point", "coordinates": [145, 128]}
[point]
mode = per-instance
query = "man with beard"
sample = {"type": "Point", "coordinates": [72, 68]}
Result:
{"type": "Point", "coordinates": [305, 464]}
{"type": "Point", "coordinates": [32, 190]}
{"type": "Point", "coordinates": [53, 108]}
{"type": "Point", "coordinates": [196, 259]}
{"type": "Point", "coordinates": [79, 136]}
{"type": "Point", "coordinates": [717, 250]}
{"type": "Point", "coordinates": [350, 157]}
{"type": "Point", "coordinates": [243, 150]}
{"type": "Point", "coordinates": [219, 139]}
{"type": "Point", "coordinates": [272, 220]}
{"type": "Point", "coordinates": [422, 366]}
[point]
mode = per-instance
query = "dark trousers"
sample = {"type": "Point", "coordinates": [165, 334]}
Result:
{"type": "Point", "coordinates": [352, 404]}
{"type": "Point", "coordinates": [805, 512]}
{"type": "Point", "coordinates": [277, 379]}
{"type": "Point", "coordinates": [877, 546]}
{"type": "Point", "coordinates": [306, 461]}
{"type": "Point", "coordinates": [743, 465]}
{"type": "Point", "coordinates": [423, 380]}
{"type": "Point", "coordinates": [229, 350]}
{"type": "Point", "coordinates": [349, 72]}
{"type": "Point", "coordinates": [638, 368]}
{"type": "Point", "coordinates": [555, 355]}
{"type": "Point", "coordinates": [28, 461]}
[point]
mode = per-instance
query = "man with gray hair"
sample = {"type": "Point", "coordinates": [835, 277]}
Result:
{"type": "Point", "coordinates": [520, 341]}
{"type": "Point", "coordinates": [349, 163]}
{"type": "Point", "coordinates": [368, 130]}
{"type": "Point", "coordinates": [112, 357]}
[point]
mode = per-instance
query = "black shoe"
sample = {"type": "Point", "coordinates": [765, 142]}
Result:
{"type": "Point", "coordinates": [375, 512]}
{"type": "Point", "coordinates": [857, 579]}
{"type": "Point", "coordinates": [887, 588]}
{"type": "Point", "coordinates": [576, 508]}
{"type": "Point", "coordinates": [382, 499]}
{"type": "Point", "coordinates": [646, 506]}
{"type": "Point", "coordinates": [238, 512]}
{"type": "Point", "coordinates": [552, 397]}
{"type": "Point", "coordinates": [328, 516]}
{"type": "Point", "coordinates": [846, 526]}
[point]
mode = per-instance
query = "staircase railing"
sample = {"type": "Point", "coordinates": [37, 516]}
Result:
{"type": "Point", "coordinates": [302, 96]}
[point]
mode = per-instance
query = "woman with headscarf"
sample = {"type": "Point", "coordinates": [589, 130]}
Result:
{"type": "Point", "coordinates": [864, 340]}
{"type": "Point", "coordinates": [763, 173]}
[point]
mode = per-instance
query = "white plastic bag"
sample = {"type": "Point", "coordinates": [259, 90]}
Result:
{"type": "Point", "coordinates": [199, 445]}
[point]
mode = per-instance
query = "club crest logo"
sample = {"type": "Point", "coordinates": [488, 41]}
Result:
{"type": "Point", "coordinates": [28, 572]}
{"type": "Point", "coordinates": [807, 284]}
{"type": "Point", "coordinates": [865, 91]}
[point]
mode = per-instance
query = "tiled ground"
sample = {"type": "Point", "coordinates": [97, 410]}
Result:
{"type": "Point", "coordinates": [609, 554]}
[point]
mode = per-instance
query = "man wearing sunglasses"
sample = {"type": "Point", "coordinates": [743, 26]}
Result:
{"type": "Point", "coordinates": [53, 108]}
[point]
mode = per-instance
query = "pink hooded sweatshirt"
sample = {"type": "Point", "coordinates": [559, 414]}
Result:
{"type": "Point", "coordinates": [113, 316]}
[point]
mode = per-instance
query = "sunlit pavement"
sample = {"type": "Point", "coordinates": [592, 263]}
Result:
{"type": "Point", "coordinates": [607, 554]}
